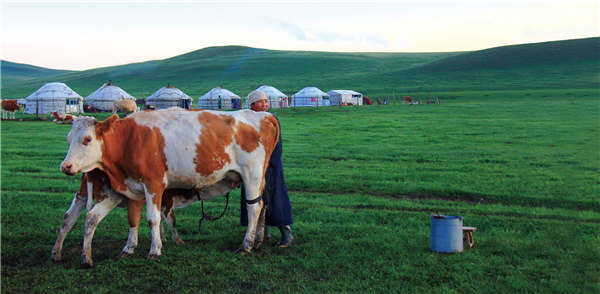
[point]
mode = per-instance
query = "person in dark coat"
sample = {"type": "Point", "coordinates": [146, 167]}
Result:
{"type": "Point", "coordinates": [275, 194]}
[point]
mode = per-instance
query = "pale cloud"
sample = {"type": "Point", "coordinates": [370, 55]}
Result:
{"type": "Point", "coordinates": [349, 40]}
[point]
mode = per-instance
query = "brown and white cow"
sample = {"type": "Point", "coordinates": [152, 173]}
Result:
{"type": "Point", "coordinates": [95, 186]}
{"type": "Point", "coordinates": [62, 118]}
{"type": "Point", "coordinates": [148, 152]}
{"type": "Point", "coordinates": [9, 107]}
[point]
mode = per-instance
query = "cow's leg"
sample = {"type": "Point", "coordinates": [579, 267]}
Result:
{"type": "Point", "coordinates": [92, 218]}
{"type": "Point", "coordinates": [153, 211]}
{"type": "Point", "coordinates": [134, 212]}
{"type": "Point", "coordinates": [254, 205]}
{"type": "Point", "coordinates": [69, 220]}
{"type": "Point", "coordinates": [169, 217]}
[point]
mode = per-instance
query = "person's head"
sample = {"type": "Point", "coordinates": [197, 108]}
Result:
{"type": "Point", "coordinates": [258, 101]}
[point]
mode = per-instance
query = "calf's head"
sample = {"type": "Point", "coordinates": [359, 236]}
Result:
{"type": "Point", "coordinates": [85, 145]}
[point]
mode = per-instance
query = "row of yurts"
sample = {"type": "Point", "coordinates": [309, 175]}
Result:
{"type": "Point", "coordinates": [60, 98]}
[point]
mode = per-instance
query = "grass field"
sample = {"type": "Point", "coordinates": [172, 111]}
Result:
{"type": "Point", "coordinates": [522, 166]}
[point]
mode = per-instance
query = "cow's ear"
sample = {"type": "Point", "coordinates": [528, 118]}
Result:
{"type": "Point", "coordinates": [104, 126]}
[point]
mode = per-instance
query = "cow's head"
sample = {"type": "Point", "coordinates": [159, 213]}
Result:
{"type": "Point", "coordinates": [85, 145]}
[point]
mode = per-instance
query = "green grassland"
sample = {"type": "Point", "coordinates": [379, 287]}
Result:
{"type": "Point", "coordinates": [521, 165]}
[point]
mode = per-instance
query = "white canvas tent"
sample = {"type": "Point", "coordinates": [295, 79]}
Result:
{"type": "Point", "coordinates": [169, 96]}
{"type": "Point", "coordinates": [276, 98]}
{"type": "Point", "coordinates": [310, 96]}
{"type": "Point", "coordinates": [103, 98]}
{"type": "Point", "coordinates": [54, 97]}
{"type": "Point", "coordinates": [219, 99]}
{"type": "Point", "coordinates": [345, 97]}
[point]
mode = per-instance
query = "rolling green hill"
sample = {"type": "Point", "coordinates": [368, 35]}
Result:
{"type": "Point", "coordinates": [240, 69]}
{"type": "Point", "coordinates": [558, 64]}
{"type": "Point", "coordinates": [12, 71]}
{"type": "Point", "coordinates": [569, 52]}
{"type": "Point", "coordinates": [547, 65]}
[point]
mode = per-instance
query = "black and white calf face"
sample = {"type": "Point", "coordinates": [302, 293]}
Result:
{"type": "Point", "coordinates": [85, 150]}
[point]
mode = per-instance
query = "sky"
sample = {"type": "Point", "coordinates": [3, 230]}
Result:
{"type": "Point", "coordinates": [79, 35]}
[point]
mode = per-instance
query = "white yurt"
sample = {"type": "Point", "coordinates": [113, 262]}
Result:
{"type": "Point", "coordinates": [276, 98]}
{"type": "Point", "coordinates": [103, 98]}
{"type": "Point", "coordinates": [345, 97]}
{"type": "Point", "coordinates": [169, 96]}
{"type": "Point", "coordinates": [54, 97]}
{"type": "Point", "coordinates": [310, 96]}
{"type": "Point", "coordinates": [219, 99]}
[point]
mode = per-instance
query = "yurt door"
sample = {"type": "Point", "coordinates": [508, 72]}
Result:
{"type": "Point", "coordinates": [72, 105]}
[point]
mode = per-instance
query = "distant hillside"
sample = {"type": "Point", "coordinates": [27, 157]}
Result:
{"type": "Point", "coordinates": [555, 53]}
{"type": "Point", "coordinates": [12, 71]}
{"type": "Point", "coordinates": [548, 65]}
{"type": "Point", "coordinates": [559, 64]}
{"type": "Point", "coordinates": [240, 69]}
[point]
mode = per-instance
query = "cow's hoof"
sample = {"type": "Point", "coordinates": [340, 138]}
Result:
{"type": "Point", "coordinates": [243, 252]}
{"type": "Point", "coordinates": [56, 257]}
{"type": "Point", "coordinates": [153, 256]}
{"type": "Point", "coordinates": [179, 242]}
{"type": "Point", "coordinates": [87, 262]}
{"type": "Point", "coordinates": [257, 244]}
{"type": "Point", "coordinates": [123, 254]}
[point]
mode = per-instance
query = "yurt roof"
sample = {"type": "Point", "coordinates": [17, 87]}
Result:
{"type": "Point", "coordinates": [310, 92]}
{"type": "Point", "coordinates": [109, 91]}
{"type": "Point", "coordinates": [344, 92]}
{"type": "Point", "coordinates": [214, 93]}
{"type": "Point", "coordinates": [271, 91]}
{"type": "Point", "coordinates": [168, 93]}
{"type": "Point", "coordinates": [54, 90]}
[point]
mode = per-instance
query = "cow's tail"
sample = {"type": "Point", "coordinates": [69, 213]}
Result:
{"type": "Point", "coordinates": [276, 132]}
{"type": "Point", "coordinates": [270, 133]}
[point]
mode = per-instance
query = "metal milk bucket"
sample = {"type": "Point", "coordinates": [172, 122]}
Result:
{"type": "Point", "coordinates": [446, 233]}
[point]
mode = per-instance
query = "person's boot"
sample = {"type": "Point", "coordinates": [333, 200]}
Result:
{"type": "Point", "coordinates": [286, 237]}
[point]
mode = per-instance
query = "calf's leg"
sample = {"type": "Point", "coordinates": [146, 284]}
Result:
{"type": "Point", "coordinates": [92, 218]}
{"type": "Point", "coordinates": [69, 220]}
{"type": "Point", "coordinates": [168, 215]}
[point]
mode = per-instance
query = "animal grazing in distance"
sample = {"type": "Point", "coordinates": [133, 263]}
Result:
{"type": "Point", "coordinates": [125, 105]}
{"type": "Point", "coordinates": [62, 118]}
{"type": "Point", "coordinates": [9, 107]}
